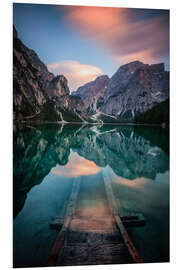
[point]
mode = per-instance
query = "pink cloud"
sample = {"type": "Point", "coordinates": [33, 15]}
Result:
{"type": "Point", "coordinates": [122, 35]}
{"type": "Point", "coordinates": [76, 73]}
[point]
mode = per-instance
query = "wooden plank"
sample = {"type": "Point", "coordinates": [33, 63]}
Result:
{"type": "Point", "coordinates": [68, 217]}
{"type": "Point", "coordinates": [112, 203]}
{"type": "Point", "coordinates": [136, 220]}
{"type": "Point", "coordinates": [128, 242]}
{"type": "Point", "coordinates": [131, 220]}
{"type": "Point", "coordinates": [96, 254]}
{"type": "Point", "coordinates": [104, 225]}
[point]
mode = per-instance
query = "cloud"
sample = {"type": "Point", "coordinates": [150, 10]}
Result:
{"type": "Point", "coordinates": [126, 34]}
{"type": "Point", "coordinates": [137, 183]}
{"type": "Point", "coordinates": [76, 166]}
{"type": "Point", "coordinates": [76, 73]}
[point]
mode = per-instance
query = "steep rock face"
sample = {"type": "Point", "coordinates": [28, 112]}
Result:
{"type": "Point", "coordinates": [58, 91]}
{"type": "Point", "coordinates": [92, 92]}
{"type": "Point", "coordinates": [37, 93]}
{"type": "Point", "coordinates": [135, 88]}
{"type": "Point", "coordinates": [30, 77]}
{"type": "Point", "coordinates": [68, 108]}
{"type": "Point", "coordinates": [77, 104]}
{"type": "Point", "coordinates": [57, 87]}
{"type": "Point", "coordinates": [120, 79]}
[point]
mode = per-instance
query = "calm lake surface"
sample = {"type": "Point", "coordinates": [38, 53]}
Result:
{"type": "Point", "coordinates": [49, 158]}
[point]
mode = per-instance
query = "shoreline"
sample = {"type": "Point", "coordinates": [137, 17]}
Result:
{"type": "Point", "coordinates": [87, 123]}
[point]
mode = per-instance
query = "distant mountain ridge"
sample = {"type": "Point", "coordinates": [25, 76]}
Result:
{"type": "Point", "coordinates": [91, 92]}
{"type": "Point", "coordinates": [132, 90]}
{"type": "Point", "coordinates": [135, 88]}
{"type": "Point", "coordinates": [38, 95]}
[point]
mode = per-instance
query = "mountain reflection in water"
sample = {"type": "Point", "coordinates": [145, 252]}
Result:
{"type": "Point", "coordinates": [81, 150]}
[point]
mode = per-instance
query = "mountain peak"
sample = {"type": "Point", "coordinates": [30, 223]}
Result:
{"type": "Point", "coordinates": [15, 35]}
{"type": "Point", "coordinates": [58, 87]}
{"type": "Point", "coordinates": [131, 67]}
{"type": "Point", "coordinates": [136, 62]}
{"type": "Point", "coordinates": [102, 78]}
{"type": "Point", "coordinates": [135, 88]}
{"type": "Point", "coordinates": [92, 91]}
{"type": "Point", "coordinates": [158, 67]}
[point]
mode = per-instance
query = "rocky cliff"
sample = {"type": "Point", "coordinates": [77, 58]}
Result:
{"type": "Point", "coordinates": [91, 93]}
{"type": "Point", "coordinates": [133, 89]}
{"type": "Point", "coordinates": [30, 77]}
{"type": "Point", "coordinates": [37, 93]}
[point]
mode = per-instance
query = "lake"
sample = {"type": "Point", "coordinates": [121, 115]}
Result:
{"type": "Point", "coordinates": [48, 159]}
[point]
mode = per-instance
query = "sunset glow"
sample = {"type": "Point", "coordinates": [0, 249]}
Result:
{"type": "Point", "coordinates": [84, 42]}
{"type": "Point", "coordinates": [76, 166]}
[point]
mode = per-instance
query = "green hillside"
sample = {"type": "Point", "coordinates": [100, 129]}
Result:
{"type": "Point", "coordinates": [157, 115]}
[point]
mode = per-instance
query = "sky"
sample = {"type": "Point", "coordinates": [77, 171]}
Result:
{"type": "Point", "coordinates": [83, 42]}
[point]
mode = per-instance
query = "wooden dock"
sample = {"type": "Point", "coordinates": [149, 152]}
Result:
{"type": "Point", "coordinates": [94, 239]}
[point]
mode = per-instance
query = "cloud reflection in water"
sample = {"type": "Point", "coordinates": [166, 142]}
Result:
{"type": "Point", "coordinates": [76, 166]}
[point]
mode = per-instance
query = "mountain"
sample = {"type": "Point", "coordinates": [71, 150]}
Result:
{"type": "Point", "coordinates": [30, 77]}
{"type": "Point", "coordinates": [91, 93]}
{"type": "Point", "coordinates": [37, 93]}
{"type": "Point", "coordinates": [133, 89]}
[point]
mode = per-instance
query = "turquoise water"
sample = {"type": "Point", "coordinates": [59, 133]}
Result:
{"type": "Point", "coordinates": [48, 158]}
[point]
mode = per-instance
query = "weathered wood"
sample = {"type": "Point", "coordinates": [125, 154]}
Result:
{"type": "Point", "coordinates": [95, 254]}
{"type": "Point", "coordinates": [131, 220]}
{"type": "Point", "coordinates": [58, 243]}
{"type": "Point", "coordinates": [110, 196]}
{"type": "Point", "coordinates": [94, 239]}
{"type": "Point", "coordinates": [128, 242]}
{"type": "Point", "coordinates": [68, 216]}
{"type": "Point", "coordinates": [136, 220]}
{"type": "Point", "coordinates": [82, 247]}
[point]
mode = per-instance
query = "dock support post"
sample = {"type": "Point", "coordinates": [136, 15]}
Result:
{"type": "Point", "coordinates": [68, 216]}
{"type": "Point", "coordinates": [112, 203]}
